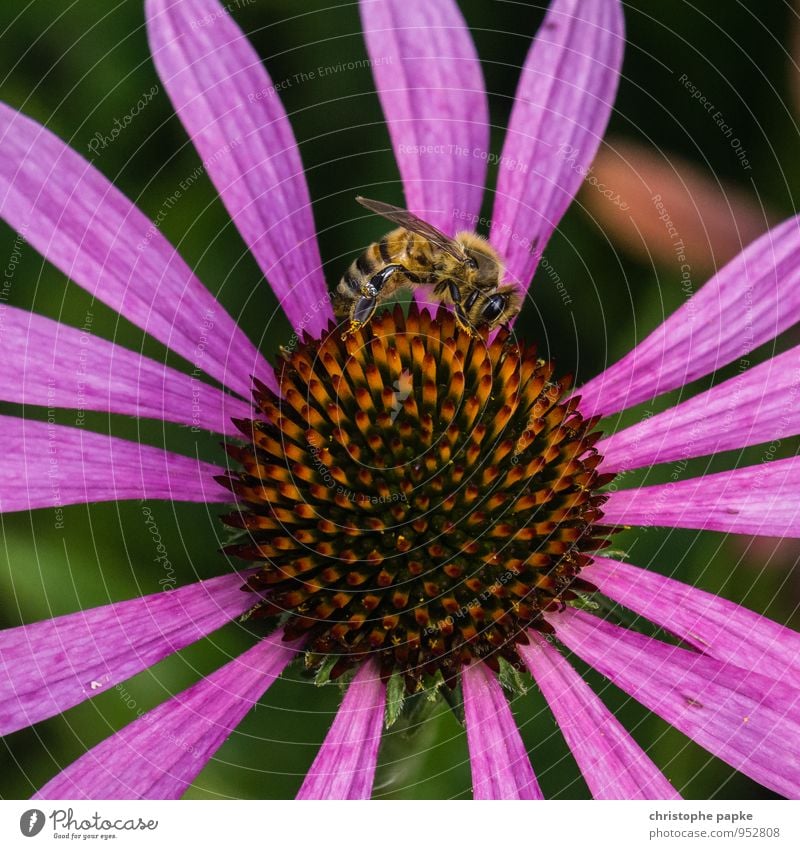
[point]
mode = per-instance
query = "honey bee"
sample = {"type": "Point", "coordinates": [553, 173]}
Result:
{"type": "Point", "coordinates": [465, 272]}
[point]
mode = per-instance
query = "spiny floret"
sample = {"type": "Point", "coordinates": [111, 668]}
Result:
{"type": "Point", "coordinates": [416, 493]}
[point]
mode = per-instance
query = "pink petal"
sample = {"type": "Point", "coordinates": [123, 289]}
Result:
{"type": "Point", "coordinates": [500, 765]}
{"type": "Point", "coordinates": [747, 720]}
{"type": "Point", "coordinates": [719, 628]}
{"type": "Point", "coordinates": [227, 104]}
{"type": "Point", "coordinates": [763, 499]}
{"type": "Point", "coordinates": [561, 109]}
{"type": "Point", "coordinates": [750, 301]}
{"type": "Point", "coordinates": [345, 765]}
{"type": "Point", "coordinates": [50, 364]}
{"type": "Point", "coordinates": [49, 666]}
{"type": "Point", "coordinates": [431, 87]}
{"type": "Point", "coordinates": [48, 465]}
{"type": "Point", "coordinates": [758, 405]}
{"type": "Point", "coordinates": [92, 233]}
{"type": "Point", "coordinates": [659, 207]}
{"type": "Point", "coordinates": [610, 759]}
{"type": "Point", "coordinates": [159, 755]}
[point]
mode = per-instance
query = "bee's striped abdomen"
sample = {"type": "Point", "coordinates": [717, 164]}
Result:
{"type": "Point", "coordinates": [400, 248]}
{"type": "Point", "coordinates": [363, 268]}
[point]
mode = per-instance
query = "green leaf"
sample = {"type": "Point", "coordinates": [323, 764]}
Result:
{"type": "Point", "coordinates": [585, 601]}
{"type": "Point", "coordinates": [511, 679]}
{"type": "Point", "coordinates": [323, 674]}
{"type": "Point", "coordinates": [618, 553]}
{"type": "Point", "coordinates": [455, 701]}
{"type": "Point", "coordinates": [395, 699]}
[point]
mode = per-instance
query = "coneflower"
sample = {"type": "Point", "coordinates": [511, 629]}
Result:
{"type": "Point", "coordinates": [426, 537]}
{"type": "Point", "coordinates": [415, 505]}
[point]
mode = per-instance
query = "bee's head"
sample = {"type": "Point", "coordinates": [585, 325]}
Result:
{"type": "Point", "coordinates": [485, 268]}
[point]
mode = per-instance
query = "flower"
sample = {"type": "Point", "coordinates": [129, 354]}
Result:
{"type": "Point", "coordinates": [728, 684]}
{"type": "Point", "coordinates": [410, 531]}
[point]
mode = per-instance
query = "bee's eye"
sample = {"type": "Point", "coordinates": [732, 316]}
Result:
{"type": "Point", "coordinates": [472, 263]}
{"type": "Point", "coordinates": [493, 308]}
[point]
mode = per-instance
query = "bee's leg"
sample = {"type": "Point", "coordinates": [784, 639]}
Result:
{"type": "Point", "coordinates": [458, 310]}
{"type": "Point", "coordinates": [464, 323]}
{"type": "Point", "coordinates": [443, 291]}
{"type": "Point", "coordinates": [378, 281]}
{"type": "Point", "coordinates": [360, 313]}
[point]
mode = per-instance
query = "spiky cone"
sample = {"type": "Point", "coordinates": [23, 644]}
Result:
{"type": "Point", "coordinates": [416, 494]}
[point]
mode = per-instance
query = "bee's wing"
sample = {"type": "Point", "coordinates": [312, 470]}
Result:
{"type": "Point", "coordinates": [406, 219]}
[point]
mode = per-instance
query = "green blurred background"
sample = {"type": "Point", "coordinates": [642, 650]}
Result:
{"type": "Point", "coordinates": [77, 66]}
